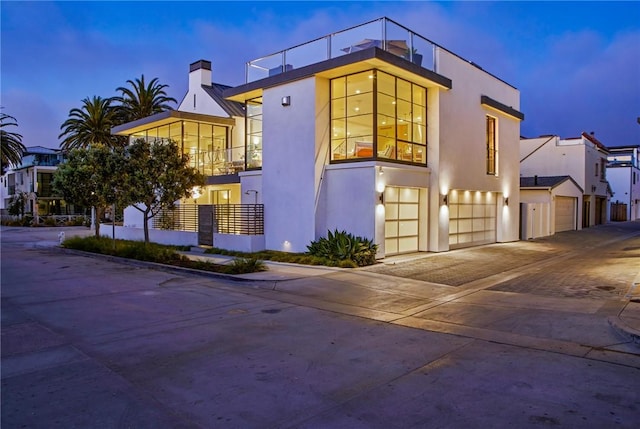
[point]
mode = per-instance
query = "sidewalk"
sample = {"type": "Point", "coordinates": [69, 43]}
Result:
{"type": "Point", "coordinates": [436, 275]}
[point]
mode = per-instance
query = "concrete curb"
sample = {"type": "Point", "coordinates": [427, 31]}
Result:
{"type": "Point", "coordinates": [620, 326]}
{"type": "Point", "coordinates": [157, 266]}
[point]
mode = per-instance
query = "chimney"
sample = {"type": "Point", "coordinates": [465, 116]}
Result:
{"type": "Point", "coordinates": [199, 74]}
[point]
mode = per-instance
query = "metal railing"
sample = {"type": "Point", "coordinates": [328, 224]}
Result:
{"type": "Point", "coordinates": [382, 33]}
{"type": "Point", "coordinates": [242, 219]}
{"type": "Point", "coordinates": [183, 217]}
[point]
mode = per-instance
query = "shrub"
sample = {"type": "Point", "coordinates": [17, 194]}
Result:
{"type": "Point", "coordinates": [245, 265]}
{"type": "Point", "coordinates": [50, 221]}
{"type": "Point", "coordinates": [342, 246]}
{"type": "Point", "coordinates": [158, 253]}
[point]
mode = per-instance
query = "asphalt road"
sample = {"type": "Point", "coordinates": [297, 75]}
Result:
{"type": "Point", "coordinates": [89, 343]}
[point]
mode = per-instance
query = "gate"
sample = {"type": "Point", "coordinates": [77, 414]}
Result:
{"type": "Point", "coordinates": [205, 225]}
{"type": "Point", "coordinates": [618, 212]}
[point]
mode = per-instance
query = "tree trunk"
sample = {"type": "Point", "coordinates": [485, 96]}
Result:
{"type": "Point", "coordinates": [146, 226]}
{"type": "Point", "coordinates": [99, 215]}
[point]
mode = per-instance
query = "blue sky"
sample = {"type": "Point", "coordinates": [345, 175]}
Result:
{"type": "Point", "coordinates": [577, 64]}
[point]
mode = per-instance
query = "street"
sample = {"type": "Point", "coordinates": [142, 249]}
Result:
{"type": "Point", "coordinates": [92, 343]}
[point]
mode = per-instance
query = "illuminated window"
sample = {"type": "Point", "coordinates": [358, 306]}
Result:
{"type": "Point", "coordinates": [492, 146]}
{"type": "Point", "coordinates": [375, 115]}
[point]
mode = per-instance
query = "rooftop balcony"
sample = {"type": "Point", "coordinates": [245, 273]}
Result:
{"type": "Point", "coordinates": [382, 33]}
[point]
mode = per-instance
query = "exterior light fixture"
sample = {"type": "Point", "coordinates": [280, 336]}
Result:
{"type": "Point", "coordinates": [286, 100]}
{"type": "Point", "coordinates": [506, 201]}
{"type": "Point", "coordinates": [381, 172]}
{"type": "Point", "coordinates": [381, 197]}
{"type": "Point", "coordinates": [445, 199]}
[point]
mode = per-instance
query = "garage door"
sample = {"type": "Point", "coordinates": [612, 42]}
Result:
{"type": "Point", "coordinates": [472, 218]}
{"type": "Point", "coordinates": [401, 220]}
{"type": "Point", "coordinates": [565, 214]}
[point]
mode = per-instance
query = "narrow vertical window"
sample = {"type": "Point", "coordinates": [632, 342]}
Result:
{"type": "Point", "coordinates": [491, 146]}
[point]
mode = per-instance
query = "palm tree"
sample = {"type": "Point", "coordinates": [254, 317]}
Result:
{"type": "Point", "coordinates": [90, 125]}
{"type": "Point", "coordinates": [12, 147]}
{"type": "Point", "coordinates": [142, 100]}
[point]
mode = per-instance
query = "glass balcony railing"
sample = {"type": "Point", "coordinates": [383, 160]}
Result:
{"type": "Point", "coordinates": [382, 33]}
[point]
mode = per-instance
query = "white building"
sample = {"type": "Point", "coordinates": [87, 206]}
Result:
{"type": "Point", "coordinates": [623, 173]}
{"type": "Point", "coordinates": [549, 204]}
{"type": "Point", "coordinates": [582, 158]}
{"type": "Point", "coordinates": [392, 138]}
{"type": "Point", "coordinates": [32, 179]}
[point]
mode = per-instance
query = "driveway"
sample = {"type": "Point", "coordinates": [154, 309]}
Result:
{"type": "Point", "coordinates": [87, 342]}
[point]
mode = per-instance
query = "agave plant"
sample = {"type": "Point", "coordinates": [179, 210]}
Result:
{"type": "Point", "coordinates": [343, 246]}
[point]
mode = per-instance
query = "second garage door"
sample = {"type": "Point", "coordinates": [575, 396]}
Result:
{"type": "Point", "coordinates": [565, 219]}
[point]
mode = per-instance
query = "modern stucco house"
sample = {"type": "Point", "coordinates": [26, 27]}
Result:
{"type": "Point", "coordinates": [623, 173]}
{"type": "Point", "coordinates": [374, 130]}
{"type": "Point", "coordinates": [584, 160]}
{"type": "Point", "coordinates": [32, 179]}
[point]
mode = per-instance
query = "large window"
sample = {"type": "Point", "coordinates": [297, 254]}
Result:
{"type": "Point", "coordinates": [206, 144]}
{"type": "Point", "coordinates": [377, 115]}
{"type": "Point", "coordinates": [254, 133]}
{"type": "Point", "coordinates": [492, 146]}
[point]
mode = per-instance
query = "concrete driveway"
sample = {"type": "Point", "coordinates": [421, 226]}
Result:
{"type": "Point", "coordinates": [91, 343]}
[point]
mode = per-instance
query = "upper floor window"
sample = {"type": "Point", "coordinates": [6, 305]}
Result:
{"type": "Point", "coordinates": [492, 145]}
{"type": "Point", "coordinates": [254, 133]}
{"type": "Point", "coordinates": [603, 169]}
{"type": "Point", "coordinates": [375, 115]}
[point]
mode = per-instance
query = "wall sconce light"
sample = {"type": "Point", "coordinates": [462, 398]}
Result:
{"type": "Point", "coordinates": [445, 199]}
{"type": "Point", "coordinates": [381, 172]}
{"type": "Point", "coordinates": [593, 189]}
{"type": "Point", "coordinates": [286, 100]}
{"type": "Point", "coordinates": [381, 198]}
{"type": "Point", "coordinates": [506, 201]}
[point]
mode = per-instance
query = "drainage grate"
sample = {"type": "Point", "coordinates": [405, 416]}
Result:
{"type": "Point", "coordinates": [271, 311]}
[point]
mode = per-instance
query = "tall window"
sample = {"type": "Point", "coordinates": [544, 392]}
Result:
{"type": "Point", "coordinates": [492, 146]}
{"type": "Point", "coordinates": [377, 115]}
{"type": "Point", "coordinates": [254, 133]}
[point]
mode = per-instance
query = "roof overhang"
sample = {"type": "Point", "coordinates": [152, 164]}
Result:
{"type": "Point", "coordinates": [502, 108]}
{"type": "Point", "coordinates": [167, 117]}
{"type": "Point", "coordinates": [366, 59]}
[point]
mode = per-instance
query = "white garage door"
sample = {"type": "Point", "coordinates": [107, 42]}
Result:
{"type": "Point", "coordinates": [565, 214]}
{"type": "Point", "coordinates": [401, 224]}
{"type": "Point", "coordinates": [472, 218]}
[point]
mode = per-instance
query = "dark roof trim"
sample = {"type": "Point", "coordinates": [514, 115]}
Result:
{"type": "Point", "coordinates": [595, 141]}
{"type": "Point", "coordinates": [171, 114]}
{"type": "Point", "coordinates": [508, 110]}
{"type": "Point", "coordinates": [344, 60]}
{"type": "Point", "coordinates": [233, 108]}
{"type": "Point", "coordinates": [546, 182]}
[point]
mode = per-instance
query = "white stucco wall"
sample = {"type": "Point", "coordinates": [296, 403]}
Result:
{"type": "Point", "coordinates": [353, 199]}
{"type": "Point", "coordinates": [161, 236]}
{"type": "Point", "coordinates": [462, 123]}
{"type": "Point", "coordinates": [288, 175]}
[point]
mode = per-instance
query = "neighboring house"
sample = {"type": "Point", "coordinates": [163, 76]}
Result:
{"type": "Point", "coordinates": [623, 173]}
{"type": "Point", "coordinates": [549, 204]}
{"type": "Point", "coordinates": [395, 139]}
{"type": "Point", "coordinates": [582, 158]}
{"type": "Point", "coordinates": [32, 179]}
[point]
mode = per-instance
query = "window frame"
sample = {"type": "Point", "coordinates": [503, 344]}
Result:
{"type": "Point", "coordinates": [491, 145]}
{"type": "Point", "coordinates": [338, 139]}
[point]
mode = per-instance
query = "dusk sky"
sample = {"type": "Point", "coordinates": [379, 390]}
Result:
{"type": "Point", "coordinates": [576, 64]}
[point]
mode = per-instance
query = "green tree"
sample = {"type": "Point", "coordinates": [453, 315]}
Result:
{"type": "Point", "coordinates": [91, 177]}
{"type": "Point", "coordinates": [11, 142]}
{"type": "Point", "coordinates": [142, 100]}
{"type": "Point", "coordinates": [91, 125]}
{"type": "Point", "coordinates": [157, 175]}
